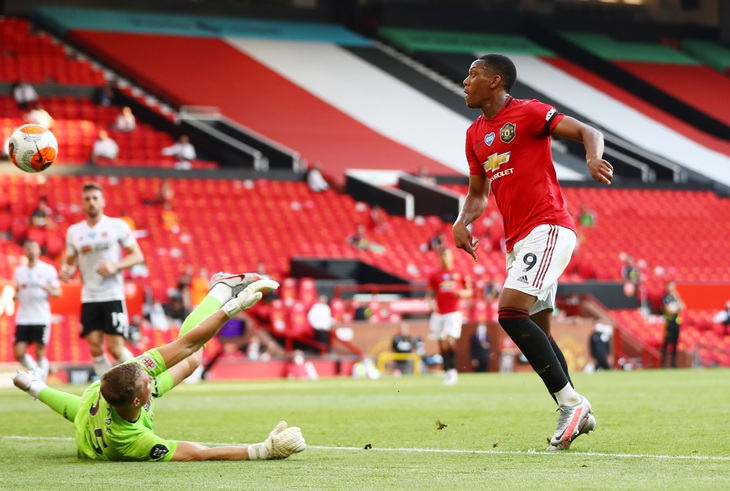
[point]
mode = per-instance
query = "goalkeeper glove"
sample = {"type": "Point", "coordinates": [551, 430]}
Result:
{"type": "Point", "coordinates": [281, 443]}
{"type": "Point", "coordinates": [249, 296]}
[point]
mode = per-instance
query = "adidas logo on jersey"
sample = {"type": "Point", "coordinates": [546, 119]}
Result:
{"type": "Point", "coordinates": [523, 279]}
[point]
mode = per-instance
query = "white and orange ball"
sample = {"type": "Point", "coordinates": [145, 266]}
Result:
{"type": "Point", "coordinates": [33, 148]}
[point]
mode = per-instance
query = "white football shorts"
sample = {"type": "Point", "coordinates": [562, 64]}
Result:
{"type": "Point", "coordinates": [537, 261]}
{"type": "Point", "coordinates": [443, 326]}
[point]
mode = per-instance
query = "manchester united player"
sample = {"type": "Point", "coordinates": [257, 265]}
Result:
{"type": "Point", "coordinates": [508, 150]}
{"type": "Point", "coordinates": [95, 244]}
{"type": "Point", "coordinates": [445, 287]}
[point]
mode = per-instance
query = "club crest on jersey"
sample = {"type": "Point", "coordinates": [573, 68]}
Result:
{"type": "Point", "coordinates": [507, 133]}
{"type": "Point", "coordinates": [148, 362]}
{"type": "Point", "coordinates": [489, 139]}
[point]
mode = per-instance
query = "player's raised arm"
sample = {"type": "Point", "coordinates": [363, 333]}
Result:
{"type": "Point", "coordinates": [474, 205]}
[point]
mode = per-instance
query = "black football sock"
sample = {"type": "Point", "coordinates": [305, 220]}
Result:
{"type": "Point", "coordinates": [563, 363]}
{"type": "Point", "coordinates": [561, 359]}
{"type": "Point", "coordinates": [534, 344]}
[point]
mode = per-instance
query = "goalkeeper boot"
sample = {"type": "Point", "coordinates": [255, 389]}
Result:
{"type": "Point", "coordinates": [589, 425]}
{"type": "Point", "coordinates": [570, 421]}
{"type": "Point", "coordinates": [248, 297]}
{"type": "Point", "coordinates": [237, 282]}
{"type": "Point", "coordinates": [30, 382]}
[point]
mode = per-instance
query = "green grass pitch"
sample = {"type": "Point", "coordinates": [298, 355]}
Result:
{"type": "Point", "coordinates": [656, 430]}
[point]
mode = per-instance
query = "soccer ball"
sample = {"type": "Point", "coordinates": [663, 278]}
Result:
{"type": "Point", "coordinates": [32, 148]}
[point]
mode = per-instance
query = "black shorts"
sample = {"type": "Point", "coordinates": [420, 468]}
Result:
{"type": "Point", "coordinates": [671, 332]}
{"type": "Point", "coordinates": [32, 333]}
{"type": "Point", "coordinates": [110, 317]}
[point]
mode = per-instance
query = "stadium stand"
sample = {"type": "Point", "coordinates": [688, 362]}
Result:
{"type": "Point", "coordinates": [411, 116]}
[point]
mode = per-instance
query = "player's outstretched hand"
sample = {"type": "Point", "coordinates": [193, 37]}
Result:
{"type": "Point", "coordinates": [249, 296]}
{"type": "Point", "coordinates": [281, 443]}
{"type": "Point", "coordinates": [284, 441]}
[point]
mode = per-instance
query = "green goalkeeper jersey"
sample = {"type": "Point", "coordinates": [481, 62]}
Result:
{"type": "Point", "coordinates": [102, 434]}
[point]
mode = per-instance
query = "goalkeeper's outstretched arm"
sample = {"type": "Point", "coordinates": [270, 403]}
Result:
{"type": "Point", "coordinates": [281, 443]}
{"type": "Point", "coordinates": [178, 350]}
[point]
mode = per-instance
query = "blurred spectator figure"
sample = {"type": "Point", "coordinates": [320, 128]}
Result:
{"type": "Point", "coordinates": [24, 94]}
{"type": "Point", "coordinates": [170, 221]}
{"type": "Point", "coordinates": [424, 175]}
{"type": "Point", "coordinates": [320, 318]}
{"type": "Point", "coordinates": [158, 317]}
{"type": "Point", "coordinates": [586, 216]}
{"type": "Point", "coordinates": [130, 221]}
{"type": "Point", "coordinates": [103, 96]}
{"type": "Point", "coordinates": [199, 287]}
{"type": "Point", "coordinates": [42, 214]}
{"type": "Point", "coordinates": [125, 120]}
{"type": "Point", "coordinates": [403, 343]}
{"type": "Point", "coordinates": [165, 193]}
{"type": "Point", "coordinates": [300, 369]}
{"type": "Point", "coordinates": [38, 115]}
{"type": "Point", "coordinates": [600, 346]}
{"type": "Point", "coordinates": [360, 240]}
{"type": "Point", "coordinates": [182, 150]}
{"type": "Point", "coordinates": [436, 242]}
{"type": "Point", "coordinates": [315, 179]}
{"type": "Point", "coordinates": [629, 272]}
{"type": "Point", "coordinates": [723, 317]}
{"type": "Point", "coordinates": [479, 348]}
{"type": "Point", "coordinates": [175, 309]}
{"type": "Point", "coordinates": [672, 306]}
{"type": "Point", "coordinates": [184, 282]}
{"type": "Point", "coordinates": [492, 289]}
{"type": "Point", "coordinates": [253, 349]}
{"type": "Point", "coordinates": [379, 219]}
{"type": "Point", "coordinates": [104, 148]}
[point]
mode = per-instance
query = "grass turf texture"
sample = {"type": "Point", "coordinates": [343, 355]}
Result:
{"type": "Point", "coordinates": [656, 430]}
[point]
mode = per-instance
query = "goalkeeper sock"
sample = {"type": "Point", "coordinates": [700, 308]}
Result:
{"type": "Point", "coordinates": [65, 404]}
{"type": "Point", "coordinates": [208, 306]}
{"type": "Point", "coordinates": [258, 451]}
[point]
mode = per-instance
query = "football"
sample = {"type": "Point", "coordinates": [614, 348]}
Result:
{"type": "Point", "coordinates": [32, 148]}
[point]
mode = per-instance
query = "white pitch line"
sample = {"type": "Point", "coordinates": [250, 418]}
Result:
{"type": "Point", "coordinates": [451, 451]}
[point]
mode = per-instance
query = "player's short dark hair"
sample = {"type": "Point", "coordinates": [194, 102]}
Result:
{"type": "Point", "coordinates": [502, 66]}
{"type": "Point", "coordinates": [92, 186]}
{"type": "Point", "coordinates": [122, 383]}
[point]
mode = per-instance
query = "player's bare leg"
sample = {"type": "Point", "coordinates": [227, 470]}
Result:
{"type": "Point", "coordinates": [95, 340]}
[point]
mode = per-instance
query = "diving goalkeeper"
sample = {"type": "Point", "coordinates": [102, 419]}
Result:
{"type": "Point", "coordinates": [113, 417]}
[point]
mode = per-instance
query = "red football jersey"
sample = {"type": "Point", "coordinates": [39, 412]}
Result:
{"type": "Point", "coordinates": [445, 285]}
{"type": "Point", "coordinates": [513, 149]}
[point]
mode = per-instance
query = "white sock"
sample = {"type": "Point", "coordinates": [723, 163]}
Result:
{"type": "Point", "coordinates": [126, 355]}
{"type": "Point", "coordinates": [101, 365]}
{"type": "Point", "coordinates": [221, 292]}
{"type": "Point", "coordinates": [45, 366]}
{"type": "Point", "coordinates": [567, 396]}
{"type": "Point", "coordinates": [28, 362]}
